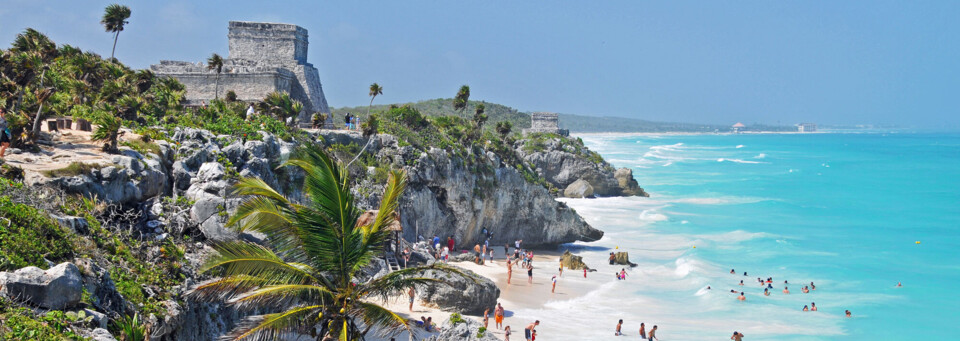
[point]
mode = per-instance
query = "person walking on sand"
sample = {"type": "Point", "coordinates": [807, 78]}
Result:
{"type": "Point", "coordinates": [528, 331]}
{"type": "Point", "coordinates": [653, 333]}
{"type": "Point", "coordinates": [529, 274]}
{"type": "Point", "coordinates": [5, 135]}
{"type": "Point", "coordinates": [506, 333]}
{"type": "Point", "coordinates": [554, 289]}
{"type": "Point", "coordinates": [643, 331]}
{"type": "Point", "coordinates": [737, 336]}
{"type": "Point", "coordinates": [498, 316]}
{"type": "Point", "coordinates": [411, 293]}
{"type": "Point", "coordinates": [619, 324]}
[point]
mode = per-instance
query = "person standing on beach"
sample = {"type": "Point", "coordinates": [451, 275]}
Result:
{"type": "Point", "coordinates": [653, 332]}
{"type": "Point", "coordinates": [509, 270]}
{"type": "Point", "coordinates": [737, 336]}
{"type": "Point", "coordinates": [498, 316]}
{"type": "Point", "coordinates": [506, 333]}
{"type": "Point", "coordinates": [476, 254]}
{"type": "Point", "coordinates": [643, 331]}
{"type": "Point", "coordinates": [528, 332]}
{"type": "Point", "coordinates": [486, 318]}
{"type": "Point", "coordinates": [619, 324]}
{"type": "Point", "coordinates": [529, 273]}
{"type": "Point", "coordinates": [411, 293]}
{"type": "Point", "coordinates": [451, 243]}
{"type": "Point", "coordinates": [561, 268]}
{"type": "Point", "coordinates": [554, 289]}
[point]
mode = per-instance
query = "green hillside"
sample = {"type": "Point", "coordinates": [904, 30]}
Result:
{"type": "Point", "coordinates": [575, 123]}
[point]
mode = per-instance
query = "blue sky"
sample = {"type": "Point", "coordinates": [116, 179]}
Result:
{"type": "Point", "coordinates": [834, 62]}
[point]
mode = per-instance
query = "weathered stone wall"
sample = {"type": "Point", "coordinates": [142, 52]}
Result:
{"type": "Point", "coordinates": [268, 42]}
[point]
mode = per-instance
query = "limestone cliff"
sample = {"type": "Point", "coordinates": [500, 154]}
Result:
{"type": "Point", "coordinates": [575, 170]}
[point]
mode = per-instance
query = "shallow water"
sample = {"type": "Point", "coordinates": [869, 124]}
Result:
{"type": "Point", "coordinates": [843, 210]}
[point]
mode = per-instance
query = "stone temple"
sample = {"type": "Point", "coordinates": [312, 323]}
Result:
{"type": "Point", "coordinates": [264, 57]}
{"type": "Point", "coordinates": [545, 122]}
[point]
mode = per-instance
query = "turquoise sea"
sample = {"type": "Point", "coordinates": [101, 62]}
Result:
{"type": "Point", "coordinates": [853, 212]}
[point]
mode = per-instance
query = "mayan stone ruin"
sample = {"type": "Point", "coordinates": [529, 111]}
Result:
{"type": "Point", "coordinates": [264, 57]}
{"type": "Point", "coordinates": [545, 122]}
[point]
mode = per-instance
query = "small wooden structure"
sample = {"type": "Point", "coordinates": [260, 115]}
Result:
{"type": "Point", "coordinates": [391, 246]}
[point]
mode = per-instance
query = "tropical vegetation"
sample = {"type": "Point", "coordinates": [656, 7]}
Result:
{"type": "Point", "coordinates": [308, 273]}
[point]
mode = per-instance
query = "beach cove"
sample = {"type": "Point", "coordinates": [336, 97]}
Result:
{"type": "Point", "coordinates": [833, 209]}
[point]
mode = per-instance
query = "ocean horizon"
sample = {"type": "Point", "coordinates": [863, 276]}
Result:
{"type": "Point", "coordinates": [854, 213]}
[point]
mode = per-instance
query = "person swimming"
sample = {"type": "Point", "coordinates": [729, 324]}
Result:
{"type": "Point", "coordinates": [737, 336]}
{"type": "Point", "coordinates": [766, 292]}
{"type": "Point", "coordinates": [732, 272]}
{"type": "Point", "coordinates": [813, 287]}
{"type": "Point", "coordinates": [848, 313]}
{"type": "Point", "coordinates": [744, 273]}
{"type": "Point", "coordinates": [785, 290]}
{"type": "Point", "coordinates": [643, 331]}
{"type": "Point", "coordinates": [899, 285]}
{"type": "Point", "coordinates": [769, 286]}
{"type": "Point", "coordinates": [813, 306]}
{"type": "Point", "coordinates": [742, 297]}
{"type": "Point", "coordinates": [805, 308]}
{"type": "Point", "coordinates": [741, 282]}
{"type": "Point", "coordinates": [805, 290]}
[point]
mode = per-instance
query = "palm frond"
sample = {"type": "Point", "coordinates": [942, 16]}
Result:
{"type": "Point", "coordinates": [397, 281]}
{"type": "Point", "coordinates": [247, 259]}
{"type": "Point", "coordinates": [272, 326]}
{"type": "Point", "coordinates": [387, 322]}
{"type": "Point", "coordinates": [278, 296]}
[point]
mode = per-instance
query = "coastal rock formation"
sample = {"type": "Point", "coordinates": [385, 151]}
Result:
{"type": "Point", "coordinates": [447, 196]}
{"type": "Point", "coordinates": [129, 178]}
{"type": "Point", "coordinates": [463, 295]}
{"type": "Point", "coordinates": [563, 162]}
{"type": "Point", "coordinates": [465, 330]}
{"type": "Point", "coordinates": [622, 258]}
{"type": "Point", "coordinates": [56, 288]}
{"type": "Point", "coordinates": [572, 262]}
{"type": "Point", "coordinates": [579, 189]}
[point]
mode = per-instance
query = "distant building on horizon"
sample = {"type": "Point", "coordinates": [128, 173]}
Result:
{"type": "Point", "coordinates": [545, 122]}
{"type": "Point", "coordinates": [737, 128]}
{"type": "Point", "coordinates": [264, 57]}
{"type": "Point", "coordinates": [807, 127]}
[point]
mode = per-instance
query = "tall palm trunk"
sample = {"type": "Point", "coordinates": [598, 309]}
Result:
{"type": "Point", "coordinates": [370, 106]}
{"type": "Point", "coordinates": [216, 87]}
{"type": "Point", "coordinates": [36, 120]}
{"type": "Point", "coordinates": [115, 36]}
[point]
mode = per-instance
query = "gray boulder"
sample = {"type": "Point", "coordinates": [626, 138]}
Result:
{"type": "Point", "coordinates": [579, 189]}
{"type": "Point", "coordinates": [56, 288]}
{"type": "Point", "coordinates": [460, 294]}
{"type": "Point", "coordinates": [464, 331]}
{"type": "Point", "coordinates": [98, 334]}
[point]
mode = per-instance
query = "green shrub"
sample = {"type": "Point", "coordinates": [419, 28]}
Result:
{"type": "Point", "coordinates": [73, 169]}
{"type": "Point", "coordinates": [28, 235]}
{"type": "Point", "coordinates": [455, 318]}
{"type": "Point", "coordinates": [142, 147]}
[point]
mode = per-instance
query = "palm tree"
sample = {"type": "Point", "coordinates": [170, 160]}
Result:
{"type": "Point", "coordinates": [503, 128]}
{"type": "Point", "coordinates": [114, 17]}
{"type": "Point", "coordinates": [215, 62]}
{"type": "Point", "coordinates": [462, 99]}
{"type": "Point", "coordinates": [308, 271]}
{"type": "Point", "coordinates": [375, 89]}
{"type": "Point", "coordinates": [478, 117]}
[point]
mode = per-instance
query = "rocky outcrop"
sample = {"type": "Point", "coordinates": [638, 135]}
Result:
{"type": "Point", "coordinates": [572, 262]}
{"type": "Point", "coordinates": [562, 162]}
{"type": "Point", "coordinates": [59, 287]}
{"type": "Point", "coordinates": [446, 195]}
{"type": "Point", "coordinates": [465, 295]}
{"type": "Point", "coordinates": [465, 330]}
{"type": "Point", "coordinates": [129, 178]}
{"type": "Point", "coordinates": [621, 258]}
{"type": "Point", "coordinates": [579, 189]}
